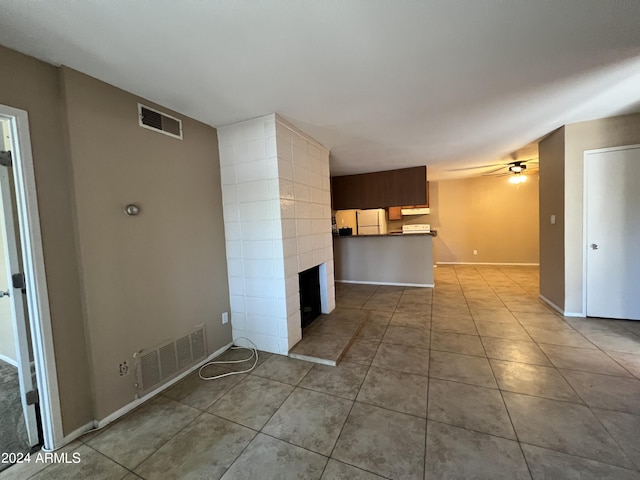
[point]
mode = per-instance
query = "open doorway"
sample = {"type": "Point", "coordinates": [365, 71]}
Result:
{"type": "Point", "coordinates": [19, 417]}
{"type": "Point", "coordinates": [26, 344]}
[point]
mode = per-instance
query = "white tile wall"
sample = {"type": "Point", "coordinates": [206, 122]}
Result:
{"type": "Point", "coordinates": [277, 208]}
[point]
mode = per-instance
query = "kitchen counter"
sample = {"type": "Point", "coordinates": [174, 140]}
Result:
{"type": "Point", "coordinates": [432, 233]}
{"type": "Point", "coordinates": [386, 259]}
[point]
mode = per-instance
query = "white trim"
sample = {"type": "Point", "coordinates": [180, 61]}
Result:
{"type": "Point", "coordinates": [558, 309]}
{"type": "Point", "coordinates": [490, 263]}
{"type": "Point", "coordinates": [158, 130]}
{"type": "Point", "coordinates": [130, 406]}
{"type": "Point", "coordinates": [8, 360]}
{"type": "Point", "coordinates": [293, 129]}
{"type": "Point", "coordinates": [430, 285]}
{"type": "Point", "coordinates": [585, 214]}
{"type": "Point", "coordinates": [37, 293]}
{"type": "Point", "coordinates": [97, 424]}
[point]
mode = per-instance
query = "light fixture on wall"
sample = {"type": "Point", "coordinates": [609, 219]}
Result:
{"type": "Point", "coordinates": [132, 210]}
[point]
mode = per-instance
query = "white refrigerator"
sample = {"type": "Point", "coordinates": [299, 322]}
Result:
{"type": "Point", "coordinates": [372, 222]}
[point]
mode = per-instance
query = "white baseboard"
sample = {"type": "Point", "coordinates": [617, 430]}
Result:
{"type": "Point", "coordinates": [10, 361]}
{"type": "Point", "coordinates": [491, 263]}
{"type": "Point", "coordinates": [394, 284]}
{"type": "Point", "coordinates": [558, 309]}
{"type": "Point", "coordinates": [96, 424]}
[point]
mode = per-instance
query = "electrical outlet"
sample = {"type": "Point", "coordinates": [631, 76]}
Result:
{"type": "Point", "coordinates": [475, 252]}
{"type": "Point", "coordinates": [124, 369]}
{"type": "Point", "coordinates": [225, 317]}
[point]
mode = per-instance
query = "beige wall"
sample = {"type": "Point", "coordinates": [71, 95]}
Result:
{"type": "Point", "coordinates": [150, 278]}
{"type": "Point", "coordinates": [603, 133]}
{"type": "Point", "coordinates": [31, 85]}
{"type": "Point", "coordinates": [552, 178]}
{"type": "Point", "coordinates": [487, 214]}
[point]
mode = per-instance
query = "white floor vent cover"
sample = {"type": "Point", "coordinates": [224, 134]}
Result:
{"type": "Point", "coordinates": [159, 364]}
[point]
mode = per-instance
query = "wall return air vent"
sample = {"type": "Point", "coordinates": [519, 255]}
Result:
{"type": "Point", "coordinates": [159, 122]}
{"type": "Point", "coordinates": [157, 365]}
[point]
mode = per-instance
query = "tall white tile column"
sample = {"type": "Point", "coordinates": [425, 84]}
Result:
{"type": "Point", "coordinates": [277, 215]}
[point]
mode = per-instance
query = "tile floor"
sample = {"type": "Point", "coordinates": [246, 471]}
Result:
{"type": "Point", "coordinates": [474, 379]}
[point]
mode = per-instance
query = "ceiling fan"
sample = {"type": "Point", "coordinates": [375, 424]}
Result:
{"type": "Point", "coordinates": [515, 167]}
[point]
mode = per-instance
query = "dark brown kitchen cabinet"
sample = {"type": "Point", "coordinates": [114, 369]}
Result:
{"type": "Point", "coordinates": [406, 186]}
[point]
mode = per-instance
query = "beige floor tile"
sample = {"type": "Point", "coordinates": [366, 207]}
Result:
{"type": "Point", "coordinates": [92, 464]}
{"type": "Point", "coordinates": [283, 369]}
{"type": "Point", "coordinates": [25, 470]}
{"type": "Point", "coordinates": [457, 343]}
{"type": "Point", "coordinates": [476, 408]}
{"type": "Point", "coordinates": [343, 380]}
{"type": "Point", "coordinates": [252, 402]}
{"type": "Point", "coordinates": [145, 430]}
{"type": "Point", "coordinates": [461, 368]}
{"type": "Point", "coordinates": [410, 337]}
{"type": "Point", "coordinates": [398, 391]}
{"type": "Point", "coordinates": [387, 443]}
{"type": "Point", "coordinates": [268, 457]}
{"type": "Point", "coordinates": [533, 380]}
{"type": "Point", "coordinates": [361, 351]}
{"type": "Point", "coordinates": [198, 393]}
{"type": "Point", "coordinates": [414, 320]}
{"type": "Point", "coordinates": [583, 359]}
{"type": "Point", "coordinates": [341, 471]}
{"type": "Point", "coordinates": [457, 453]}
{"type": "Point", "coordinates": [562, 426]}
{"type": "Point", "coordinates": [551, 465]}
{"type": "Point", "coordinates": [310, 420]}
{"type": "Point", "coordinates": [402, 358]}
{"type": "Point", "coordinates": [515, 351]}
{"type": "Point", "coordinates": [204, 449]}
{"type": "Point", "coordinates": [502, 315]}
{"type": "Point", "coordinates": [625, 429]}
{"type": "Point", "coordinates": [603, 391]}
{"type": "Point", "coordinates": [509, 331]}
{"type": "Point", "coordinates": [558, 336]}
{"type": "Point", "coordinates": [455, 325]}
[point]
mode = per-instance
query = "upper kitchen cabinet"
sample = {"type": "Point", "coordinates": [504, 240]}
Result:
{"type": "Point", "coordinates": [406, 186]}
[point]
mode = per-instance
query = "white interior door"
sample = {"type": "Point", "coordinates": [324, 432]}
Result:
{"type": "Point", "coordinates": [14, 296]}
{"type": "Point", "coordinates": [612, 203]}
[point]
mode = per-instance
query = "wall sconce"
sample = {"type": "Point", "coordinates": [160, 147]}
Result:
{"type": "Point", "coordinates": [132, 210]}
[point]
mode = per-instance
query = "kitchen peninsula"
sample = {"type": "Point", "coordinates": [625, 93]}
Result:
{"type": "Point", "coordinates": [386, 259]}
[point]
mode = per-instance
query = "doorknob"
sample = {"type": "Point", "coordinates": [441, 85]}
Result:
{"type": "Point", "coordinates": [594, 246]}
{"type": "Point", "coordinates": [4, 294]}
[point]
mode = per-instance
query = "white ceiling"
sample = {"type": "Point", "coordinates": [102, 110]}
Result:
{"type": "Point", "coordinates": [383, 84]}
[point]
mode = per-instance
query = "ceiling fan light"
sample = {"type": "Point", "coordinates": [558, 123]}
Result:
{"type": "Point", "coordinates": [517, 179]}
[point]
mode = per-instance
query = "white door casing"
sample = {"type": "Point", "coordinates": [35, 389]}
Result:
{"type": "Point", "coordinates": [612, 233]}
{"type": "Point", "coordinates": [37, 296]}
{"type": "Point", "coordinates": [14, 297]}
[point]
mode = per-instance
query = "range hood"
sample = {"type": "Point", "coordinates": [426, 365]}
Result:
{"type": "Point", "coordinates": [415, 211]}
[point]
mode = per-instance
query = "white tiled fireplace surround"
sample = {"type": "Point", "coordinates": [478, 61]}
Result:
{"type": "Point", "coordinates": [277, 220]}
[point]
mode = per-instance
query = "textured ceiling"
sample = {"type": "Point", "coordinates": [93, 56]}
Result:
{"type": "Point", "coordinates": [383, 84]}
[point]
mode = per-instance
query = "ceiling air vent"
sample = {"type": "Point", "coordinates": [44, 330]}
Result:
{"type": "Point", "coordinates": [159, 122]}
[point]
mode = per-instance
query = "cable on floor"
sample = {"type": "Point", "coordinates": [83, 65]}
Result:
{"type": "Point", "coordinates": [254, 353]}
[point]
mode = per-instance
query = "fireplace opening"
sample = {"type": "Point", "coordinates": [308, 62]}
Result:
{"type": "Point", "coordinates": [310, 307]}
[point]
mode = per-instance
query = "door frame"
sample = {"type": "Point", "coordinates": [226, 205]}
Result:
{"type": "Point", "coordinates": [35, 275]}
{"type": "Point", "coordinates": [585, 213]}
